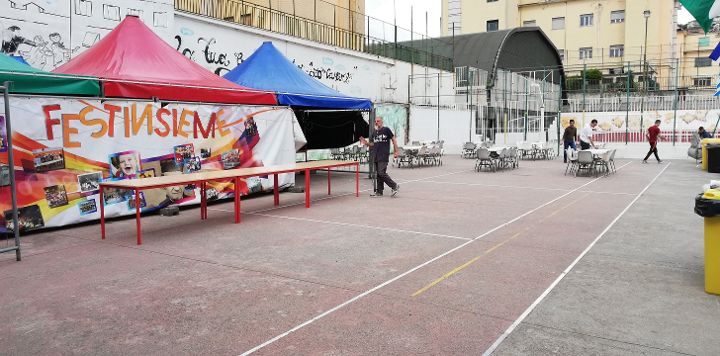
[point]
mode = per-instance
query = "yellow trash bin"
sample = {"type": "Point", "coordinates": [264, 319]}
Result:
{"type": "Point", "coordinates": [708, 206]}
{"type": "Point", "coordinates": [704, 143]}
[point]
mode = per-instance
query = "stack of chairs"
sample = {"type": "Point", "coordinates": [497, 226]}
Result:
{"type": "Point", "coordinates": [468, 150]}
{"type": "Point", "coordinates": [508, 158]}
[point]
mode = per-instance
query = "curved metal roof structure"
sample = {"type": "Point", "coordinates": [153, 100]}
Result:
{"type": "Point", "coordinates": [517, 49]}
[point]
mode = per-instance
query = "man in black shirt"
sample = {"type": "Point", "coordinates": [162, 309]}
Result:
{"type": "Point", "coordinates": [569, 138]}
{"type": "Point", "coordinates": [380, 144]}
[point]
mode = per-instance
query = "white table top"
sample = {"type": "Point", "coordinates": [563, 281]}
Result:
{"type": "Point", "coordinates": [497, 148]}
{"type": "Point", "coordinates": [598, 151]}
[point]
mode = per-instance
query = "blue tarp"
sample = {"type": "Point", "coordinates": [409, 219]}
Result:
{"type": "Point", "coordinates": [20, 59]}
{"type": "Point", "coordinates": [268, 69]}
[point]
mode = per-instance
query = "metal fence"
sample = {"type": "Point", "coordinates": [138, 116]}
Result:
{"type": "Point", "coordinates": [508, 102]}
{"type": "Point", "coordinates": [325, 23]}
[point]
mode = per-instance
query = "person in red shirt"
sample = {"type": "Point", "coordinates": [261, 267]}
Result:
{"type": "Point", "coordinates": [653, 135]}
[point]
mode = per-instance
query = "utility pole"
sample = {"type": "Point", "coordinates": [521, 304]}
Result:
{"type": "Point", "coordinates": [646, 14]}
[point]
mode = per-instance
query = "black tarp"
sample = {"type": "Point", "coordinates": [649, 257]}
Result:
{"type": "Point", "coordinates": [331, 129]}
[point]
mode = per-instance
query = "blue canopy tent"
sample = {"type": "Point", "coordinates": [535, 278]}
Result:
{"type": "Point", "coordinates": [328, 118]}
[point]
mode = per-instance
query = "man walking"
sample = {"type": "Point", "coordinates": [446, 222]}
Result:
{"type": "Point", "coordinates": [586, 135]}
{"type": "Point", "coordinates": [380, 145]}
{"type": "Point", "coordinates": [569, 138]}
{"type": "Point", "coordinates": [653, 135]}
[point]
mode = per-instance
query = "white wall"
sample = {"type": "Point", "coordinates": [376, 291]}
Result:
{"type": "Point", "coordinates": [48, 33]}
{"type": "Point", "coordinates": [456, 127]}
{"type": "Point", "coordinates": [219, 46]}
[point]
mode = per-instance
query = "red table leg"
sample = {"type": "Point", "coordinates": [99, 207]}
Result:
{"type": "Point", "coordinates": [237, 200]}
{"type": "Point", "coordinates": [203, 201]}
{"type": "Point", "coordinates": [328, 181]}
{"type": "Point", "coordinates": [357, 179]}
{"type": "Point", "coordinates": [137, 215]}
{"type": "Point", "coordinates": [307, 188]}
{"type": "Point", "coordinates": [276, 189]}
{"type": "Point", "coordinates": [102, 212]}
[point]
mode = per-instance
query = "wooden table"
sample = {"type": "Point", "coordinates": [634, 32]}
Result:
{"type": "Point", "coordinates": [234, 175]}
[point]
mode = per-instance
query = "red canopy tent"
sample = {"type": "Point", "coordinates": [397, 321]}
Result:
{"type": "Point", "coordinates": [134, 62]}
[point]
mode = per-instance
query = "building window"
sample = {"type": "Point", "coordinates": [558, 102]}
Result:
{"type": "Point", "coordinates": [558, 23]}
{"type": "Point", "coordinates": [701, 82]}
{"type": "Point", "coordinates": [492, 25]}
{"type": "Point", "coordinates": [454, 16]}
{"type": "Point", "coordinates": [134, 12]}
{"type": "Point", "coordinates": [561, 53]}
{"type": "Point", "coordinates": [703, 62]}
{"type": "Point", "coordinates": [492, 0]}
{"type": "Point", "coordinates": [617, 51]}
{"type": "Point", "coordinates": [586, 20]}
{"type": "Point", "coordinates": [160, 19]}
{"type": "Point", "coordinates": [703, 41]}
{"type": "Point", "coordinates": [83, 8]}
{"type": "Point", "coordinates": [111, 12]}
{"type": "Point", "coordinates": [529, 23]}
{"type": "Point", "coordinates": [585, 52]}
{"type": "Point", "coordinates": [617, 16]}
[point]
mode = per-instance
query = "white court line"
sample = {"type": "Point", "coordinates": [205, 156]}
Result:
{"type": "Point", "coordinates": [379, 286]}
{"type": "Point", "coordinates": [494, 185]}
{"type": "Point", "coordinates": [564, 273]}
{"type": "Point", "coordinates": [609, 193]}
{"type": "Point", "coordinates": [362, 226]}
{"type": "Point", "coordinates": [336, 196]}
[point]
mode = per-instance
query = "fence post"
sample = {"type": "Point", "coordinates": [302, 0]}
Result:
{"type": "Point", "coordinates": [559, 118]}
{"type": "Point", "coordinates": [675, 100]}
{"type": "Point", "coordinates": [627, 103]}
{"type": "Point", "coordinates": [642, 99]}
{"type": "Point", "coordinates": [438, 101]}
{"type": "Point", "coordinates": [526, 110]}
{"type": "Point", "coordinates": [584, 89]}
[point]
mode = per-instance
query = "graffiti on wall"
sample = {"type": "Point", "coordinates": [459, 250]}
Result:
{"type": "Point", "coordinates": [218, 61]}
{"type": "Point", "coordinates": [326, 73]}
{"type": "Point", "coordinates": [220, 57]}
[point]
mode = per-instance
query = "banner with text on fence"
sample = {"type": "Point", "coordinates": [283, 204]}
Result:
{"type": "Point", "coordinates": [64, 148]}
{"type": "Point", "coordinates": [612, 126]}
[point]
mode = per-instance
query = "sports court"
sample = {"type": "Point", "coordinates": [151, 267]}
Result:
{"type": "Point", "coordinates": [459, 263]}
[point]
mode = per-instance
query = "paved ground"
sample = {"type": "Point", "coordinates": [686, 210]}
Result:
{"type": "Point", "coordinates": [451, 266]}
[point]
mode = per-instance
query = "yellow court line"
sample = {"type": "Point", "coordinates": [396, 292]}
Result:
{"type": "Point", "coordinates": [565, 207]}
{"type": "Point", "coordinates": [491, 249]}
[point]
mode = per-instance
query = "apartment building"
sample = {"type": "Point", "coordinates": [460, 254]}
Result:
{"type": "Point", "coordinates": [696, 68]}
{"type": "Point", "coordinates": [599, 34]}
{"type": "Point", "coordinates": [336, 22]}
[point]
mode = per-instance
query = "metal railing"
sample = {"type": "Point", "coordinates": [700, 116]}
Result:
{"type": "Point", "coordinates": [331, 24]}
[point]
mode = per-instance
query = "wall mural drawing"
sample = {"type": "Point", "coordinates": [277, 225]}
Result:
{"type": "Point", "coordinates": [50, 34]}
{"type": "Point", "coordinates": [217, 54]}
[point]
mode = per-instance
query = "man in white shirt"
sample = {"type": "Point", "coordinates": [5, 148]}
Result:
{"type": "Point", "coordinates": [586, 136]}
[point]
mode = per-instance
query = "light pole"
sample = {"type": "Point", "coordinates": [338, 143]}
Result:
{"type": "Point", "coordinates": [646, 14]}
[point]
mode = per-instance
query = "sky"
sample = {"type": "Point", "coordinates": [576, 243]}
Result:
{"type": "Point", "coordinates": [383, 10]}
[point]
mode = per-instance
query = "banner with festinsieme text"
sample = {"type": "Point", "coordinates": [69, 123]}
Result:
{"type": "Point", "coordinates": [64, 148]}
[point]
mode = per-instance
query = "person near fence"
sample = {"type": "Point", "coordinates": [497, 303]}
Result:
{"type": "Point", "coordinates": [586, 134]}
{"type": "Point", "coordinates": [569, 138]}
{"type": "Point", "coordinates": [653, 135]}
{"type": "Point", "coordinates": [380, 144]}
{"type": "Point", "coordinates": [703, 134]}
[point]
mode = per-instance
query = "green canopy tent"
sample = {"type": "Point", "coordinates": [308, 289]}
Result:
{"type": "Point", "coordinates": [28, 80]}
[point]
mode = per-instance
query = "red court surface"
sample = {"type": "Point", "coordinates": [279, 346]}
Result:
{"type": "Point", "coordinates": [444, 268]}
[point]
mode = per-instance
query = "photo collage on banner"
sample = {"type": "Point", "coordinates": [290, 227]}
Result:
{"type": "Point", "coordinates": [67, 147]}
